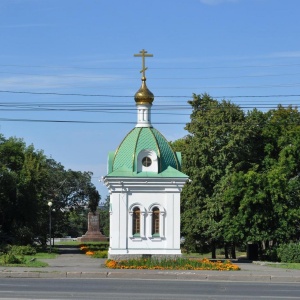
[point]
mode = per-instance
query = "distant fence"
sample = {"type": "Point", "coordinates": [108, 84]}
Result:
{"type": "Point", "coordinates": [65, 239]}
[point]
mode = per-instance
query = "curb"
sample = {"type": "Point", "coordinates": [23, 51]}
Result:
{"type": "Point", "coordinates": [185, 276]}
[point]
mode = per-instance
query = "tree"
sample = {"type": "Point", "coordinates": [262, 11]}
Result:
{"type": "Point", "coordinates": [104, 217]}
{"type": "Point", "coordinates": [220, 142]}
{"type": "Point", "coordinates": [72, 193]}
{"type": "Point", "coordinates": [19, 198]}
{"type": "Point", "coordinates": [245, 172]}
{"type": "Point", "coordinates": [28, 180]}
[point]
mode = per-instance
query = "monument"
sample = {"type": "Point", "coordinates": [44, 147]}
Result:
{"type": "Point", "coordinates": [93, 233]}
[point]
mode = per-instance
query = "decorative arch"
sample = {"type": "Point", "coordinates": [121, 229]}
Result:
{"type": "Point", "coordinates": [161, 208]}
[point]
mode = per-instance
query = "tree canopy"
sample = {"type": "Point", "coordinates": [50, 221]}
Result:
{"type": "Point", "coordinates": [28, 180]}
{"type": "Point", "coordinates": [244, 171]}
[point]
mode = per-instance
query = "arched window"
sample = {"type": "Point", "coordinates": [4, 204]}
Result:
{"type": "Point", "coordinates": [136, 222]}
{"type": "Point", "coordinates": [155, 221]}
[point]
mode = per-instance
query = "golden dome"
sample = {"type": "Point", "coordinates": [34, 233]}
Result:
{"type": "Point", "coordinates": [143, 95]}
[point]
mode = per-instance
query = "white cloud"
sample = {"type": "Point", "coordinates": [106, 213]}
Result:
{"type": "Point", "coordinates": [215, 2]}
{"type": "Point", "coordinates": [52, 81]}
{"type": "Point", "coordinates": [286, 54]}
{"type": "Point", "coordinates": [12, 26]}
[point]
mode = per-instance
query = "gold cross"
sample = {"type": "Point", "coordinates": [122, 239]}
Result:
{"type": "Point", "coordinates": [143, 54]}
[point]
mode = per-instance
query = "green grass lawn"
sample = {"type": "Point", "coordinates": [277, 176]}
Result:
{"type": "Point", "coordinates": [295, 266]}
{"type": "Point", "coordinates": [44, 255]}
{"type": "Point", "coordinates": [32, 261]}
{"type": "Point", "coordinates": [27, 261]}
{"type": "Point", "coordinates": [208, 255]}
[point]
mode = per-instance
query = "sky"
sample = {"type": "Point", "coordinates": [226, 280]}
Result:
{"type": "Point", "coordinates": [68, 74]}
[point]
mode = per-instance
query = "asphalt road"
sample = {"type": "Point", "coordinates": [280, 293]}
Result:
{"type": "Point", "coordinates": [28, 288]}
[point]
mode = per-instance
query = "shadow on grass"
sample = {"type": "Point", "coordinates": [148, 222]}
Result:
{"type": "Point", "coordinates": [68, 249]}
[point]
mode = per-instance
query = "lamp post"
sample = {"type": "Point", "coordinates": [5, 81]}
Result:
{"type": "Point", "coordinates": [50, 205]}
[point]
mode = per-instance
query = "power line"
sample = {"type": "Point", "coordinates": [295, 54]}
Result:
{"type": "Point", "coordinates": [83, 122]}
{"type": "Point", "coordinates": [133, 123]}
{"type": "Point", "coordinates": [152, 68]}
{"type": "Point", "coordinates": [152, 77]}
{"type": "Point", "coordinates": [131, 96]}
{"type": "Point", "coordinates": [117, 109]}
{"type": "Point", "coordinates": [158, 111]}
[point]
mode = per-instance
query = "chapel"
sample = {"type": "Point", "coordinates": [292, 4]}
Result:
{"type": "Point", "coordinates": [144, 180]}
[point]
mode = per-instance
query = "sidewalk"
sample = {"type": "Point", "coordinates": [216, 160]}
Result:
{"type": "Point", "coordinates": [71, 263]}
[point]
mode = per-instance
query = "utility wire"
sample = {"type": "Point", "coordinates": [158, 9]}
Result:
{"type": "Point", "coordinates": [152, 77]}
{"type": "Point", "coordinates": [207, 123]}
{"type": "Point", "coordinates": [168, 111]}
{"type": "Point", "coordinates": [152, 68]}
{"type": "Point", "coordinates": [131, 96]}
{"type": "Point", "coordinates": [82, 122]}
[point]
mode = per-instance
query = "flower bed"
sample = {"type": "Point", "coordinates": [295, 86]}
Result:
{"type": "Point", "coordinates": [92, 250]}
{"type": "Point", "coordinates": [172, 264]}
{"type": "Point", "coordinates": [163, 264]}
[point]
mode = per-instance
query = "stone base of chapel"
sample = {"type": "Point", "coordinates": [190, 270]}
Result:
{"type": "Point", "coordinates": [93, 236]}
{"type": "Point", "coordinates": [163, 255]}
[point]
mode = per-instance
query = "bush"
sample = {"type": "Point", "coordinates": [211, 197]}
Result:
{"type": "Point", "coordinates": [289, 253]}
{"type": "Point", "coordinates": [9, 259]}
{"type": "Point", "coordinates": [22, 250]}
{"type": "Point", "coordinates": [100, 254]}
{"type": "Point", "coordinates": [98, 247]}
{"type": "Point", "coordinates": [270, 254]}
{"type": "Point", "coordinates": [2, 249]}
{"type": "Point", "coordinates": [95, 246]}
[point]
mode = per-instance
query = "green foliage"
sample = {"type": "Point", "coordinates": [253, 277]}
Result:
{"type": "Point", "coordinates": [289, 253]}
{"type": "Point", "coordinates": [28, 180]}
{"type": "Point", "coordinates": [179, 145]}
{"type": "Point", "coordinates": [77, 223]}
{"type": "Point", "coordinates": [104, 217]}
{"type": "Point", "coordinates": [22, 250]}
{"type": "Point", "coordinates": [245, 175]}
{"type": "Point", "coordinates": [13, 254]}
{"type": "Point", "coordinates": [99, 246]}
{"type": "Point", "coordinates": [220, 143]}
{"type": "Point", "coordinates": [99, 249]}
{"type": "Point", "coordinates": [11, 259]}
{"type": "Point", "coordinates": [100, 254]}
{"type": "Point", "coordinates": [293, 266]}
{"type": "Point", "coordinates": [270, 254]}
{"type": "Point", "coordinates": [171, 264]}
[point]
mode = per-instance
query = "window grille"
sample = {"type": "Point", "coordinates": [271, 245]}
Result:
{"type": "Point", "coordinates": [136, 226]}
{"type": "Point", "coordinates": [155, 221]}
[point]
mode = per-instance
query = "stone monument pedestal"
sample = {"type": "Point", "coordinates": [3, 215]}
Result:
{"type": "Point", "coordinates": [93, 234]}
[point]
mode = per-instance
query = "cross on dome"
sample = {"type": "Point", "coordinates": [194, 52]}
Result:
{"type": "Point", "coordinates": [143, 53]}
{"type": "Point", "coordinates": [143, 97]}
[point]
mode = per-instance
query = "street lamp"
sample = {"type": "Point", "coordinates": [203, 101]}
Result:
{"type": "Point", "coordinates": [50, 204]}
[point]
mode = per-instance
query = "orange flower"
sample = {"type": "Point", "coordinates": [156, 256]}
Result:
{"type": "Point", "coordinates": [181, 264]}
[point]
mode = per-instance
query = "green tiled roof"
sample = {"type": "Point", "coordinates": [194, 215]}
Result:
{"type": "Point", "coordinates": [124, 160]}
{"type": "Point", "coordinates": [168, 173]}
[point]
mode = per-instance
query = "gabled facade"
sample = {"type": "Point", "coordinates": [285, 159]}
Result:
{"type": "Point", "coordinates": [144, 181]}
